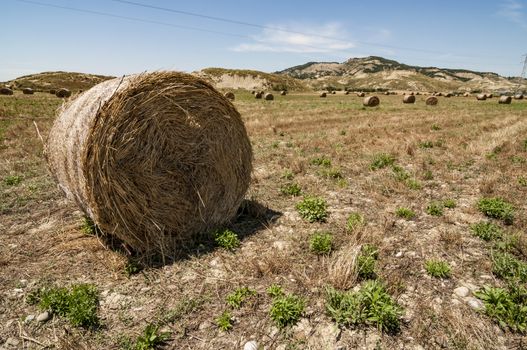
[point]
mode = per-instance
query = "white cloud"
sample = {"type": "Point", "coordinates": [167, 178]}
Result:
{"type": "Point", "coordinates": [326, 38]}
{"type": "Point", "coordinates": [514, 12]}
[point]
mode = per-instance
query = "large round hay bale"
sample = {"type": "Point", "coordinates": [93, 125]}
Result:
{"type": "Point", "coordinates": [360, 94]}
{"type": "Point", "coordinates": [5, 91]}
{"type": "Point", "coordinates": [518, 97]}
{"type": "Point", "coordinates": [283, 93]}
{"type": "Point", "coordinates": [63, 93]}
{"type": "Point", "coordinates": [152, 158]}
{"type": "Point", "coordinates": [481, 97]}
{"type": "Point", "coordinates": [28, 91]}
{"type": "Point", "coordinates": [323, 94]}
{"type": "Point", "coordinates": [258, 95]}
{"type": "Point", "coordinates": [268, 96]}
{"type": "Point", "coordinates": [431, 101]}
{"type": "Point", "coordinates": [505, 100]}
{"type": "Point", "coordinates": [229, 95]}
{"type": "Point", "coordinates": [409, 99]}
{"type": "Point", "coordinates": [371, 101]}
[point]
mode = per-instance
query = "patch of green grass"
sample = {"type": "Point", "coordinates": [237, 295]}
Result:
{"type": "Point", "coordinates": [522, 181]}
{"type": "Point", "coordinates": [321, 243]}
{"type": "Point", "coordinates": [413, 184]}
{"type": "Point", "coordinates": [435, 127]}
{"type": "Point", "coordinates": [366, 261]}
{"type": "Point", "coordinates": [286, 310]}
{"type": "Point", "coordinates": [331, 173]}
{"type": "Point", "coordinates": [508, 267]}
{"type": "Point", "coordinates": [437, 268]}
{"type": "Point", "coordinates": [288, 175]}
{"type": "Point", "coordinates": [487, 231]}
{"type": "Point", "coordinates": [78, 304]}
{"type": "Point", "coordinates": [435, 208]}
{"type": "Point", "coordinates": [405, 213]}
{"type": "Point", "coordinates": [497, 208]}
{"type": "Point", "coordinates": [132, 268]}
{"type": "Point", "coordinates": [151, 338]}
{"type": "Point", "coordinates": [506, 307]}
{"type": "Point", "coordinates": [12, 180]}
{"type": "Point", "coordinates": [321, 161]}
{"type": "Point", "coordinates": [426, 144]}
{"type": "Point", "coordinates": [88, 227]}
{"type": "Point", "coordinates": [428, 175]}
{"type": "Point", "coordinates": [355, 221]}
{"type": "Point", "coordinates": [381, 160]}
{"type": "Point", "coordinates": [449, 203]}
{"type": "Point", "coordinates": [313, 209]}
{"type": "Point", "coordinates": [275, 290]}
{"type": "Point", "coordinates": [291, 189]}
{"type": "Point", "coordinates": [399, 173]}
{"type": "Point", "coordinates": [227, 239]}
{"type": "Point", "coordinates": [371, 306]}
{"type": "Point", "coordinates": [239, 296]}
{"type": "Point", "coordinates": [224, 322]}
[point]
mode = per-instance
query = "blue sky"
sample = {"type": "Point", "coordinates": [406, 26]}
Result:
{"type": "Point", "coordinates": [477, 35]}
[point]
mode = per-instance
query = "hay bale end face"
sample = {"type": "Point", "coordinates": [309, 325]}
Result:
{"type": "Point", "coordinates": [28, 91]}
{"type": "Point", "coordinates": [518, 97]}
{"type": "Point", "coordinates": [431, 101]}
{"type": "Point", "coordinates": [371, 101]}
{"type": "Point", "coordinates": [229, 95]}
{"type": "Point", "coordinates": [268, 96]}
{"type": "Point", "coordinates": [505, 100]}
{"type": "Point", "coordinates": [323, 94]}
{"type": "Point", "coordinates": [258, 95]}
{"type": "Point", "coordinates": [62, 93]}
{"type": "Point", "coordinates": [361, 94]}
{"type": "Point", "coordinates": [409, 99]}
{"type": "Point", "coordinates": [283, 93]}
{"type": "Point", "coordinates": [489, 95]}
{"type": "Point", "coordinates": [153, 158]}
{"type": "Point", "coordinates": [481, 97]}
{"type": "Point", "coordinates": [5, 91]}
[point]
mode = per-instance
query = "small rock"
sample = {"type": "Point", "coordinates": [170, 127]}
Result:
{"type": "Point", "coordinates": [461, 292]}
{"type": "Point", "coordinates": [251, 345]}
{"type": "Point", "coordinates": [399, 254]}
{"type": "Point", "coordinates": [475, 303]}
{"type": "Point", "coordinates": [12, 342]}
{"type": "Point", "coordinates": [18, 290]}
{"type": "Point", "coordinates": [29, 318]}
{"type": "Point", "coordinates": [43, 317]}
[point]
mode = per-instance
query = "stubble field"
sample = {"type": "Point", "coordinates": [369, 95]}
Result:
{"type": "Point", "coordinates": [403, 186]}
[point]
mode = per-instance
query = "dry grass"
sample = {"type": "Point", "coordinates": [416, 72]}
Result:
{"type": "Point", "coordinates": [476, 147]}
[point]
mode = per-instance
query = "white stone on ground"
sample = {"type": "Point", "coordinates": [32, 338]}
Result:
{"type": "Point", "coordinates": [461, 292]}
{"type": "Point", "coordinates": [251, 345]}
{"type": "Point", "coordinates": [43, 317]}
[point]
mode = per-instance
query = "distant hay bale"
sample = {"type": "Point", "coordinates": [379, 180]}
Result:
{"type": "Point", "coordinates": [417, 93]}
{"type": "Point", "coordinates": [466, 94]}
{"type": "Point", "coordinates": [409, 99]}
{"type": "Point", "coordinates": [386, 93]}
{"type": "Point", "coordinates": [268, 96]}
{"type": "Point", "coordinates": [333, 92]}
{"type": "Point", "coordinates": [229, 95]}
{"type": "Point", "coordinates": [63, 93]}
{"type": "Point", "coordinates": [323, 94]}
{"type": "Point", "coordinates": [518, 97]}
{"type": "Point", "coordinates": [489, 95]}
{"type": "Point", "coordinates": [481, 97]}
{"type": "Point", "coordinates": [505, 100]}
{"type": "Point", "coordinates": [411, 93]}
{"type": "Point", "coordinates": [28, 91]}
{"type": "Point", "coordinates": [283, 93]}
{"type": "Point", "coordinates": [431, 101]}
{"type": "Point", "coordinates": [439, 94]}
{"type": "Point", "coordinates": [361, 94]}
{"type": "Point", "coordinates": [253, 92]}
{"type": "Point", "coordinates": [371, 101]}
{"type": "Point", "coordinates": [347, 92]}
{"type": "Point", "coordinates": [154, 159]}
{"type": "Point", "coordinates": [52, 91]}
{"type": "Point", "coordinates": [448, 94]}
{"type": "Point", "coordinates": [258, 95]}
{"type": "Point", "coordinates": [5, 91]}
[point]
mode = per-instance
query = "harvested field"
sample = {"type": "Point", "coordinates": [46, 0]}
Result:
{"type": "Point", "coordinates": [367, 164]}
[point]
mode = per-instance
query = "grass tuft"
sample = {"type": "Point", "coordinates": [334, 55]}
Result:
{"type": "Point", "coordinates": [497, 208]}
{"type": "Point", "coordinates": [313, 209]}
{"type": "Point", "coordinates": [321, 243]}
{"type": "Point", "coordinates": [381, 160]}
{"type": "Point", "coordinates": [487, 231]}
{"type": "Point", "coordinates": [286, 310]}
{"type": "Point", "coordinates": [224, 322]}
{"type": "Point", "coordinates": [507, 307]}
{"type": "Point", "coordinates": [405, 213]}
{"type": "Point", "coordinates": [366, 261]}
{"type": "Point", "coordinates": [237, 298]}
{"type": "Point", "coordinates": [227, 239]}
{"type": "Point", "coordinates": [438, 268]}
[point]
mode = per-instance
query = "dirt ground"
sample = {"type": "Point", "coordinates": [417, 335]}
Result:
{"type": "Point", "coordinates": [461, 149]}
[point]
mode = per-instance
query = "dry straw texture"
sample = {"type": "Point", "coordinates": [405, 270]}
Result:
{"type": "Point", "coordinates": [409, 99]}
{"type": "Point", "coordinates": [153, 159]}
{"type": "Point", "coordinates": [431, 101]}
{"type": "Point", "coordinates": [505, 100]}
{"type": "Point", "coordinates": [371, 101]}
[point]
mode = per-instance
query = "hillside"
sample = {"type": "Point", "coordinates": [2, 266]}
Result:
{"type": "Point", "coordinates": [377, 72]}
{"type": "Point", "coordinates": [55, 80]}
{"type": "Point", "coordinates": [250, 79]}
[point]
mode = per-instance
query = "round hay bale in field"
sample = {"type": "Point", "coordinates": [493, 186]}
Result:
{"type": "Point", "coordinates": [439, 94]}
{"type": "Point", "coordinates": [386, 93]}
{"type": "Point", "coordinates": [361, 94]}
{"type": "Point", "coordinates": [448, 94]}
{"type": "Point", "coordinates": [371, 101]}
{"type": "Point", "coordinates": [283, 93]}
{"type": "Point", "coordinates": [63, 93]}
{"type": "Point", "coordinates": [489, 95]}
{"type": "Point", "coordinates": [28, 91]}
{"type": "Point", "coordinates": [505, 100]}
{"type": "Point", "coordinates": [253, 92]}
{"type": "Point", "coordinates": [5, 91]}
{"type": "Point", "coordinates": [258, 95]}
{"type": "Point", "coordinates": [409, 99]}
{"type": "Point", "coordinates": [52, 91]}
{"type": "Point", "coordinates": [347, 92]}
{"type": "Point", "coordinates": [268, 96]}
{"type": "Point", "coordinates": [333, 92]}
{"type": "Point", "coordinates": [417, 93]}
{"type": "Point", "coordinates": [154, 158]}
{"type": "Point", "coordinates": [411, 93]}
{"type": "Point", "coordinates": [431, 101]}
{"type": "Point", "coordinates": [323, 94]}
{"type": "Point", "coordinates": [466, 94]}
{"type": "Point", "coordinates": [229, 95]}
{"type": "Point", "coordinates": [481, 97]}
{"type": "Point", "coordinates": [518, 97]}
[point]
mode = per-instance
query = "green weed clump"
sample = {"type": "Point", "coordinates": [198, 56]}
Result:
{"type": "Point", "coordinates": [487, 231]}
{"type": "Point", "coordinates": [508, 267]}
{"type": "Point", "coordinates": [227, 239]}
{"type": "Point", "coordinates": [12, 180]}
{"type": "Point", "coordinates": [381, 160]}
{"type": "Point", "coordinates": [497, 208]}
{"type": "Point", "coordinates": [435, 208]}
{"type": "Point", "coordinates": [438, 268]}
{"type": "Point", "coordinates": [286, 310]}
{"type": "Point", "coordinates": [313, 209]}
{"type": "Point", "coordinates": [239, 296]}
{"type": "Point", "coordinates": [291, 189]}
{"type": "Point", "coordinates": [151, 338]}
{"type": "Point", "coordinates": [224, 322]}
{"type": "Point", "coordinates": [507, 307]}
{"type": "Point", "coordinates": [366, 261]}
{"type": "Point", "coordinates": [405, 213]}
{"type": "Point", "coordinates": [321, 161]}
{"type": "Point", "coordinates": [321, 243]}
{"type": "Point", "coordinates": [371, 306]}
{"type": "Point", "coordinates": [355, 221]}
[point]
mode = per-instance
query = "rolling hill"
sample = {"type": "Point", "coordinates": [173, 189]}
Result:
{"type": "Point", "coordinates": [55, 80]}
